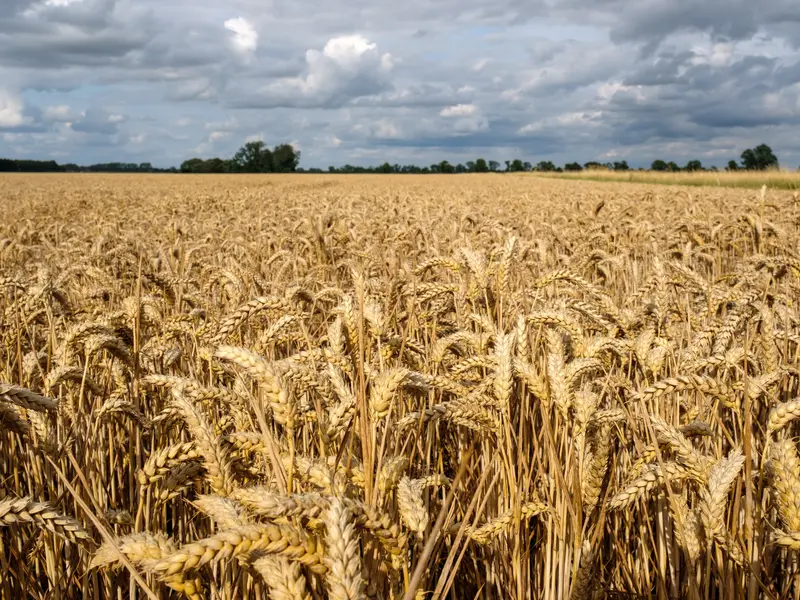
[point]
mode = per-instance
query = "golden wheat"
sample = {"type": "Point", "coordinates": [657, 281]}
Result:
{"type": "Point", "coordinates": [397, 387]}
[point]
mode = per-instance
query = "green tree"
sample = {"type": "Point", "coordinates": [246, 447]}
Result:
{"type": "Point", "coordinates": [212, 165]}
{"type": "Point", "coordinates": [470, 166]}
{"type": "Point", "coordinates": [285, 158]}
{"type": "Point", "coordinates": [192, 165]}
{"type": "Point", "coordinates": [759, 158]}
{"type": "Point", "coordinates": [545, 165]}
{"type": "Point", "coordinates": [254, 157]}
{"type": "Point", "coordinates": [593, 165]}
{"type": "Point", "coordinates": [573, 167]}
{"type": "Point", "coordinates": [659, 165]}
{"type": "Point", "coordinates": [516, 166]}
{"type": "Point", "coordinates": [526, 166]}
{"type": "Point", "coordinates": [493, 165]}
{"type": "Point", "coordinates": [732, 165]}
{"type": "Point", "coordinates": [446, 167]}
{"type": "Point", "coordinates": [621, 165]}
{"type": "Point", "coordinates": [694, 165]}
{"type": "Point", "coordinates": [481, 166]}
{"type": "Point", "coordinates": [672, 166]}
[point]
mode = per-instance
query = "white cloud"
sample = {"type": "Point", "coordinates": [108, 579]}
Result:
{"type": "Point", "coordinates": [715, 55]}
{"type": "Point", "coordinates": [580, 120]}
{"type": "Point", "coordinates": [37, 8]}
{"type": "Point", "coordinates": [459, 110]}
{"type": "Point", "coordinates": [382, 129]}
{"type": "Point", "coordinates": [60, 113]}
{"type": "Point", "coordinates": [480, 65]}
{"type": "Point", "coordinates": [466, 118]}
{"type": "Point", "coordinates": [347, 67]}
{"type": "Point", "coordinates": [202, 149]}
{"type": "Point", "coordinates": [347, 52]}
{"type": "Point", "coordinates": [531, 128]}
{"type": "Point", "coordinates": [245, 36]}
{"type": "Point", "coordinates": [386, 130]}
{"type": "Point", "coordinates": [10, 110]}
{"type": "Point", "coordinates": [606, 91]}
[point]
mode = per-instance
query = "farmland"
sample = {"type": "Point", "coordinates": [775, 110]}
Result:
{"type": "Point", "coordinates": [397, 386]}
{"type": "Point", "coordinates": [776, 179]}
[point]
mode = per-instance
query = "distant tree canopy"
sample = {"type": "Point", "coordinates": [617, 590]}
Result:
{"type": "Point", "coordinates": [212, 165]}
{"type": "Point", "coordinates": [694, 165]}
{"type": "Point", "coordinates": [257, 157]}
{"type": "Point", "coordinates": [50, 166]}
{"type": "Point", "coordinates": [29, 166]}
{"type": "Point", "coordinates": [253, 157]}
{"type": "Point", "coordinates": [545, 166]}
{"type": "Point", "coordinates": [659, 165]}
{"type": "Point", "coordinates": [759, 158]}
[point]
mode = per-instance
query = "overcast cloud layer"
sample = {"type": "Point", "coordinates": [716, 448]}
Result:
{"type": "Point", "coordinates": [364, 82]}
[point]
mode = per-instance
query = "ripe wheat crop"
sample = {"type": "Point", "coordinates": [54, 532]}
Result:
{"type": "Point", "coordinates": [308, 387]}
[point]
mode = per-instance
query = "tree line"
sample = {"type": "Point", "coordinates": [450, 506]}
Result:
{"type": "Point", "coordinates": [253, 157]}
{"type": "Point", "coordinates": [480, 165]}
{"type": "Point", "coordinates": [9, 165]}
{"type": "Point", "coordinates": [759, 158]}
{"type": "Point", "coordinates": [753, 159]}
{"type": "Point", "coordinates": [256, 157]}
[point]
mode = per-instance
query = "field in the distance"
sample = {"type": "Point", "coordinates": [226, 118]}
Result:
{"type": "Point", "coordinates": [776, 179]}
{"type": "Point", "coordinates": [301, 387]}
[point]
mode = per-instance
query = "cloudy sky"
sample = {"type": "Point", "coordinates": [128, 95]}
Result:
{"type": "Point", "coordinates": [368, 81]}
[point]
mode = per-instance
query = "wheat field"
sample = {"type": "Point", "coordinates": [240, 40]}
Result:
{"type": "Point", "coordinates": [309, 387]}
{"type": "Point", "coordinates": [785, 179]}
